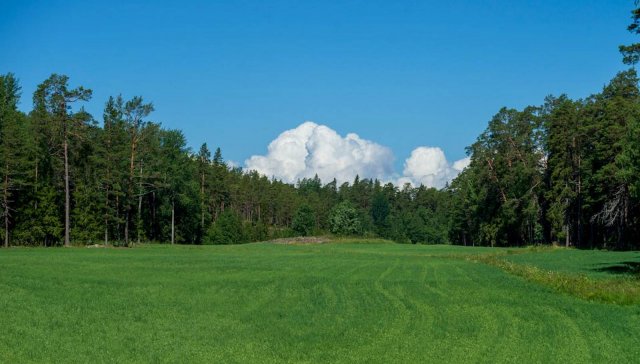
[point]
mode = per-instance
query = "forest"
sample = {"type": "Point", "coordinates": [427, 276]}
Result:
{"type": "Point", "coordinates": [564, 172]}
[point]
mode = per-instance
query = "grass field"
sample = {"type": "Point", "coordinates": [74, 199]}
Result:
{"type": "Point", "coordinates": [592, 263]}
{"type": "Point", "coordinates": [305, 303]}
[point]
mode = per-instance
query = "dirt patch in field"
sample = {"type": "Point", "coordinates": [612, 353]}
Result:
{"type": "Point", "coordinates": [96, 246]}
{"type": "Point", "coordinates": [301, 240]}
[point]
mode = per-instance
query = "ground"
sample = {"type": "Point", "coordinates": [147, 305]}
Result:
{"type": "Point", "coordinates": [307, 303]}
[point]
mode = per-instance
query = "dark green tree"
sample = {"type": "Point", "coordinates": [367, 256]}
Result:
{"type": "Point", "coordinates": [565, 145]}
{"type": "Point", "coordinates": [227, 229]}
{"type": "Point", "coordinates": [54, 99]}
{"type": "Point", "coordinates": [380, 210]}
{"type": "Point", "coordinates": [204, 168]}
{"type": "Point", "coordinates": [304, 221]}
{"type": "Point", "coordinates": [135, 112]}
{"type": "Point", "coordinates": [12, 146]}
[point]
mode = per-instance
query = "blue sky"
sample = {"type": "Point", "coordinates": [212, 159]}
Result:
{"type": "Point", "coordinates": [402, 74]}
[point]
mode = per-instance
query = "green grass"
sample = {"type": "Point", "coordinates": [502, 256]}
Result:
{"type": "Point", "coordinates": [296, 303]}
{"type": "Point", "coordinates": [625, 290]}
{"type": "Point", "coordinates": [592, 263]}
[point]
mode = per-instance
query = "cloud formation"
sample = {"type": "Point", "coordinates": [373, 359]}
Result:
{"type": "Point", "coordinates": [312, 149]}
{"type": "Point", "coordinates": [429, 166]}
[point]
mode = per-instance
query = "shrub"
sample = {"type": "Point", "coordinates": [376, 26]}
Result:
{"type": "Point", "coordinates": [304, 221]}
{"type": "Point", "coordinates": [227, 229]}
{"type": "Point", "coordinates": [344, 220]}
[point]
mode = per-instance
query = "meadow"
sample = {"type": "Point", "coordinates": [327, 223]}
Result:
{"type": "Point", "coordinates": [349, 302]}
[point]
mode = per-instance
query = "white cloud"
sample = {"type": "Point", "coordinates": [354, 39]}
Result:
{"type": "Point", "coordinates": [312, 149]}
{"type": "Point", "coordinates": [461, 164]}
{"type": "Point", "coordinates": [429, 166]}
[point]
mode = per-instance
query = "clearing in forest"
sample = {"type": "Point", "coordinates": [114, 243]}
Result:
{"type": "Point", "coordinates": [309, 303]}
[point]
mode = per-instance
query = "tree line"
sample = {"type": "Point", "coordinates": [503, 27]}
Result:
{"type": "Point", "coordinates": [68, 179]}
{"type": "Point", "coordinates": [564, 172]}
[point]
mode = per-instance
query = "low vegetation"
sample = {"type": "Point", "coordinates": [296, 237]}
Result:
{"type": "Point", "coordinates": [610, 289]}
{"type": "Point", "coordinates": [328, 302]}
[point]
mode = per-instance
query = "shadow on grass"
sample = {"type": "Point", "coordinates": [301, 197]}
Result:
{"type": "Point", "coordinates": [627, 268]}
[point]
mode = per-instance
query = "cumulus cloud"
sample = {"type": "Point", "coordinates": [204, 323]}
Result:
{"type": "Point", "coordinates": [461, 164]}
{"type": "Point", "coordinates": [312, 149]}
{"type": "Point", "coordinates": [429, 166]}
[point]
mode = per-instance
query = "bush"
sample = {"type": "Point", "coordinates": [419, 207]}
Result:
{"type": "Point", "coordinates": [304, 221]}
{"type": "Point", "coordinates": [344, 220]}
{"type": "Point", "coordinates": [227, 229]}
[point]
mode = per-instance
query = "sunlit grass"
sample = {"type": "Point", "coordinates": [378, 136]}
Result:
{"type": "Point", "coordinates": [295, 303]}
{"type": "Point", "coordinates": [619, 290]}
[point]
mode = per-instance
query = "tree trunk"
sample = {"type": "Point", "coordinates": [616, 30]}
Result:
{"type": "Point", "coordinates": [106, 216]}
{"type": "Point", "coordinates": [578, 223]}
{"type": "Point", "coordinates": [173, 222]}
{"type": "Point", "coordinates": [118, 236]}
{"type": "Point", "coordinates": [107, 127]}
{"type": "Point", "coordinates": [139, 225]}
{"type": "Point", "coordinates": [154, 230]}
{"type": "Point", "coordinates": [202, 204]}
{"type": "Point", "coordinates": [6, 207]}
{"type": "Point", "coordinates": [67, 202]}
{"type": "Point", "coordinates": [106, 234]}
{"type": "Point", "coordinates": [126, 228]}
{"type": "Point", "coordinates": [128, 201]}
{"type": "Point", "coordinates": [35, 204]}
{"type": "Point", "coordinates": [106, 220]}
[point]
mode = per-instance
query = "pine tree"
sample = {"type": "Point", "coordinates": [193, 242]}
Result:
{"type": "Point", "coordinates": [565, 145]}
{"type": "Point", "coordinates": [631, 53]}
{"type": "Point", "coordinates": [54, 99]}
{"type": "Point", "coordinates": [204, 170]}
{"type": "Point", "coordinates": [135, 111]}
{"type": "Point", "coordinates": [112, 161]}
{"type": "Point", "coordinates": [12, 139]}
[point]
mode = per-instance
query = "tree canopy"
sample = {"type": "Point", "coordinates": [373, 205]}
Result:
{"type": "Point", "coordinates": [564, 171]}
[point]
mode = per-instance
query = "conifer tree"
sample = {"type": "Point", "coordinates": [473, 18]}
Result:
{"type": "Point", "coordinates": [135, 112]}
{"type": "Point", "coordinates": [12, 138]}
{"type": "Point", "coordinates": [53, 99]}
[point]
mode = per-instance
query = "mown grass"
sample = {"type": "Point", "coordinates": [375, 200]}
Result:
{"type": "Point", "coordinates": [295, 303]}
{"type": "Point", "coordinates": [591, 263]}
{"type": "Point", "coordinates": [618, 290]}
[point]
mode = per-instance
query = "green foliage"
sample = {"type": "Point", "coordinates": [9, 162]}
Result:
{"type": "Point", "coordinates": [304, 221]}
{"type": "Point", "coordinates": [380, 210]}
{"type": "Point", "coordinates": [87, 226]}
{"type": "Point", "coordinates": [631, 53]}
{"type": "Point", "coordinates": [501, 188]}
{"type": "Point", "coordinates": [344, 220]}
{"type": "Point", "coordinates": [566, 172]}
{"type": "Point", "coordinates": [259, 231]}
{"type": "Point", "coordinates": [40, 223]}
{"type": "Point", "coordinates": [228, 229]}
{"type": "Point", "coordinates": [13, 163]}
